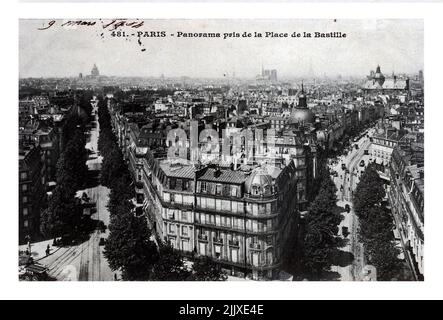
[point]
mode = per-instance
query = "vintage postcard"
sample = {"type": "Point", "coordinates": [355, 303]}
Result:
{"type": "Point", "coordinates": [221, 150]}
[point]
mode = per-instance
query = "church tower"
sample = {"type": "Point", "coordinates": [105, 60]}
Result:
{"type": "Point", "coordinates": [302, 100]}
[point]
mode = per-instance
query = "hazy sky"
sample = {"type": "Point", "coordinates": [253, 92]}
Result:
{"type": "Point", "coordinates": [397, 45]}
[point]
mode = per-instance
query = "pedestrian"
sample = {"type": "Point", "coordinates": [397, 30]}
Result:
{"type": "Point", "coordinates": [48, 250]}
{"type": "Point", "coordinates": [115, 277]}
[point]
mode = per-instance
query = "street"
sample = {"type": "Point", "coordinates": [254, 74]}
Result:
{"type": "Point", "coordinates": [346, 181]}
{"type": "Point", "coordinates": [85, 261]}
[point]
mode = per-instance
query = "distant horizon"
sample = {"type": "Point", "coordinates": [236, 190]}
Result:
{"type": "Point", "coordinates": [216, 78]}
{"type": "Point", "coordinates": [64, 52]}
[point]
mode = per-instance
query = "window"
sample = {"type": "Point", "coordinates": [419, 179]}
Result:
{"type": "Point", "coordinates": [218, 189]}
{"type": "Point", "coordinates": [25, 199]}
{"type": "Point", "coordinates": [261, 226]}
{"type": "Point", "coordinates": [24, 187]}
{"type": "Point", "coordinates": [25, 211]}
{"type": "Point", "coordinates": [172, 183]}
{"type": "Point", "coordinates": [203, 187]}
{"type": "Point", "coordinates": [25, 223]}
{"type": "Point", "coordinates": [188, 200]}
{"type": "Point", "coordinates": [171, 228]}
{"type": "Point", "coordinates": [184, 231]}
{"type": "Point", "coordinates": [262, 208]}
{"type": "Point", "coordinates": [234, 207]}
{"type": "Point", "coordinates": [185, 245]}
{"type": "Point", "coordinates": [217, 250]}
{"type": "Point", "coordinates": [234, 255]}
{"type": "Point", "coordinates": [178, 198]}
{"type": "Point", "coordinates": [179, 184]}
{"type": "Point", "coordinates": [255, 209]}
{"type": "Point", "coordinates": [202, 248]}
{"type": "Point", "coordinates": [226, 205]}
{"type": "Point", "coordinates": [184, 216]}
{"type": "Point", "coordinates": [203, 203]}
{"type": "Point", "coordinates": [234, 191]}
{"type": "Point", "coordinates": [23, 175]}
{"type": "Point", "coordinates": [210, 203]}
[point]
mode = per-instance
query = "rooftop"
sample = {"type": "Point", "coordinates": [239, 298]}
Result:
{"type": "Point", "coordinates": [223, 175]}
{"type": "Point", "coordinates": [177, 169]}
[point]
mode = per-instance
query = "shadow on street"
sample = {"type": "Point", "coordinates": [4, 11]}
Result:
{"type": "Point", "coordinates": [342, 258]}
{"type": "Point", "coordinates": [330, 276]}
{"type": "Point", "coordinates": [93, 179]}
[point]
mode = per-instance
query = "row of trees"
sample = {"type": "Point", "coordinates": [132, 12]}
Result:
{"type": "Point", "coordinates": [130, 247]}
{"type": "Point", "coordinates": [376, 226]}
{"type": "Point", "coordinates": [81, 116]}
{"type": "Point", "coordinates": [64, 215]}
{"type": "Point", "coordinates": [320, 237]}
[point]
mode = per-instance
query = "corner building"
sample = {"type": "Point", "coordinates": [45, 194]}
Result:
{"type": "Point", "coordinates": [241, 218]}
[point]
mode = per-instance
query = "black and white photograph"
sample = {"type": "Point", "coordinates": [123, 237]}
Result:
{"type": "Point", "coordinates": [221, 150]}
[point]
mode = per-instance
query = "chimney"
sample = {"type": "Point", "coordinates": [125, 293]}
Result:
{"type": "Point", "coordinates": [217, 171]}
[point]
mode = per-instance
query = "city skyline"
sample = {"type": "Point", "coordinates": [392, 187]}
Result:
{"type": "Point", "coordinates": [395, 45]}
{"type": "Point", "coordinates": [259, 180]}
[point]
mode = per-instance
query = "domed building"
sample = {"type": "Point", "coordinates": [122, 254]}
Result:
{"type": "Point", "coordinates": [379, 78]}
{"type": "Point", "coordinates": [301, 114]}
{"type": "Point", "coordinates": [377, 83]}
{"type": "Point", "coordinates": [259, 184]}
{"type": "Point", "coordinates": [94, 72]}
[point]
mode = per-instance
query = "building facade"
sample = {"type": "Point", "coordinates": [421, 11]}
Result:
{"type": "Point", "coordinates": [406, 196]}
{"type": "Point", "coordinates": [31, 191]}
{"type": "Point", "coordinates": [239, 216]}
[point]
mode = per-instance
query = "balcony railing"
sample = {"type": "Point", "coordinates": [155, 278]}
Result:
{"type": "Point", "coordinates": [234, 243]}
{"type": "Point", "coordinates": [217, 240]}
{"type": "Point", "coordinates": [202, 237]}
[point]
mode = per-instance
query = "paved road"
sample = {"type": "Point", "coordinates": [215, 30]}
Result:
{"type": "Point", "coordinates": [350, 269]}
{"type": "Point", "coordinates": [85, 261]}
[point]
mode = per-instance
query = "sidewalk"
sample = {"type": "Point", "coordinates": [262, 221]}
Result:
{"type": "Point", "coordinates": [38, 249]}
